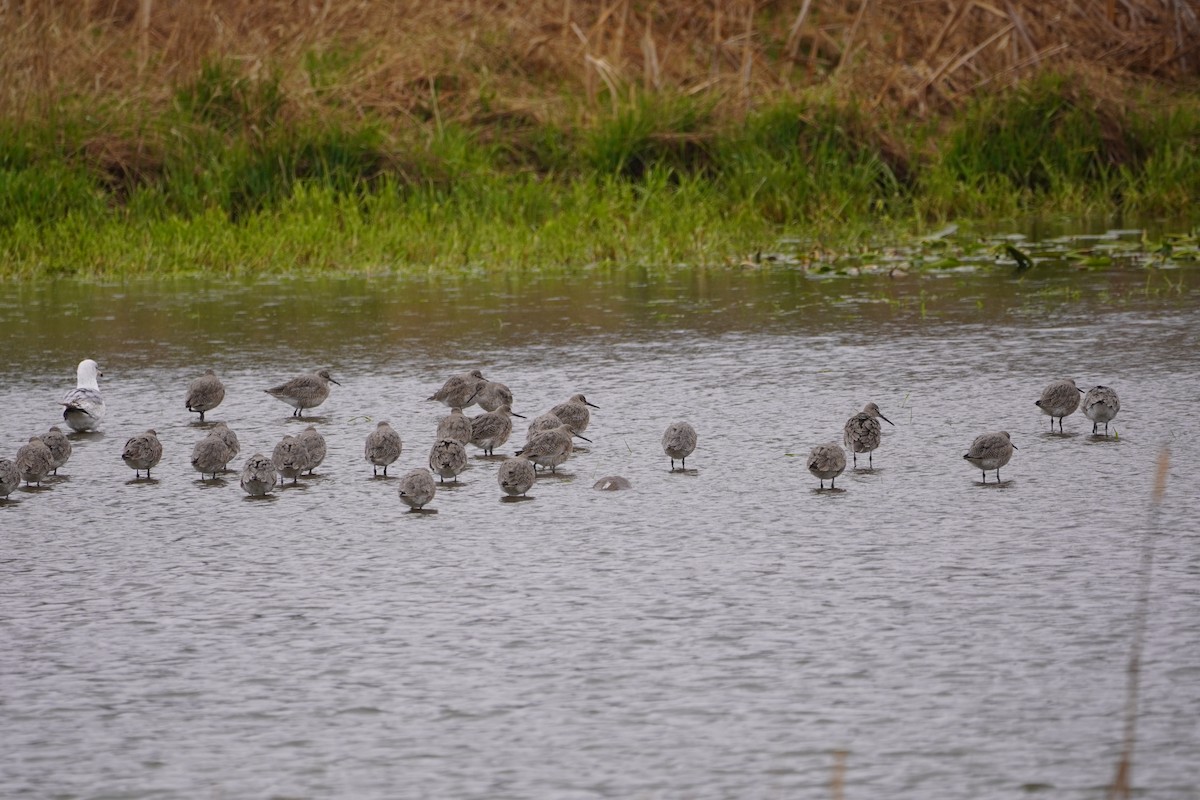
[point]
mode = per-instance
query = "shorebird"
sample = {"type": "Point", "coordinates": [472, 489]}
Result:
{"type": "Point", "coordinates": [574, 413]}
{"type": "Point", "coordinates": [1059, 399]}
{"type": "Point", "coordinates": [516, 475]}
{"type": "Point", "coordinates": [551, 448]}
{"type": "Point", "coordinates": [545, 422]}
{"type": "Point", "coordinates": [314, 445]}
{"type": "Point", "coordinates": [679, 441]}
{"type": "Point", "coordinates": [459, 391]}
{"type": "Point", "coordinates": [448, 458]}
{"type": "Point", "coordinates": [210, 455]}
{"type": "Point", "coordinates": [59, 444]}
{"type": "Point", "coordinates": [990, 451]}
{"type": "Point", "coordinates": [826, 462]}
{"type": "Point", "coordinates": [83, 406]}
{"type": "Point", "coordinates": [456, 425]}
{"type": "Point", "coordinates": [142, 452]}
{"type": "Point", "coordinates": [289, 457]}
{"type": "Point", "coordinates": [1100, 404]}
{"type": "Point", "coordinates": [383, 447]}
{"type": "Point", "coordinates": [34, 461]}
{"type": "Point", "coordinates": [226, 435]}
{"type": "Point", "coordinates": [258, 476]}
{"type": "Point", "coordinates": [304, 391]}
{"type": "Point", "coordinates": [490, 430]}
{"type": "Point", "coordinates": [863, 433]}
{"type": "Point", "coordinates": [492, 394]}
{"type": "Point", "coordinates": [10, 477]}
{"type": "Point", "coordinates": [416, 488]}
{"type": "Point", "coordinates": [204, 393]}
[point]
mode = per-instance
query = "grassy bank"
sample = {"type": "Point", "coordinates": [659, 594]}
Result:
{"type": "Point", "coordinates": [315, 154]}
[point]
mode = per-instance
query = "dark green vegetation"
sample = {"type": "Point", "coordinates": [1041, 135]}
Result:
{"type": "Point", "coordinates": [221, 183]}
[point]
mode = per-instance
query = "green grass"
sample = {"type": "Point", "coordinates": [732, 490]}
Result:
{"type": "Point", "coordinates": [226, 183]}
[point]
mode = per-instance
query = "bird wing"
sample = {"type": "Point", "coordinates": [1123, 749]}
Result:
{"type": "Point", "coordinates": [88, 401]}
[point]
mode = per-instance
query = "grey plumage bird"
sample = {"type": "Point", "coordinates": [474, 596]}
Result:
{"type": "Point", "coordinates": [416, 488]}
{"type": "Point", "coordinates": [826, 462]}
{"type": "Point", "coordinates": [1101, 404]}
{"type": "Point", "coordinates": [314, 445]}
{"type": "Point", "coordinates": [990, 451]}
{"type": "Point", "coordinates": [34, 461]}
{"type": "Point", "coordinates": [863, 432]}
{"type": "Point", "coordinates": [10, 477]}
{"type": "Point", "coordinates": [258, 476]}
{"type": "Point", "coordinates": [516, 476]}
{"type": "Point", "coordinates": [493, 394]}
{"type": "Point", "coordinates": [456, 425]}
{"type": "Point", "coordinates": [210, 455]}
{"type": "Point", "coordinates": [459, 390]}
{"type": "Point", "coordinates": [448, 458]}
{"type": "Point", "coordinates": [290, 457]}
{"type": "Point", "coordinates": [83, 406]}
{"type": "Point", "coordinates": [204, 393]}
{"type": "Point", "coordinates": [551, 448]}
{"type": "Point", "coordinates": [226, 435]}
{"type": "Point", "coordinates": [304, 391]}
{"type": "Point", "coordinates": [142, 452]}
{"type": "Point", "coordinates": [678, 441]}
{"type": "Point", "coordinates": [1059, 399]}
{"type": "Point", "coordinates": [490, 430]}
{"type": "Point", "coordinates": [59, 444]}
{"type": "Point", "coordinates": [545, 422]}
{"type": "Point", "coordinates": [574, 413]}
{"type": "Point", "coordinates": [383, 447]}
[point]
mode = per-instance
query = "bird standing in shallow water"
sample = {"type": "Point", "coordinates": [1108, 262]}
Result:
{"type": "Point", "coordinates": [826, 462]}
{"type": "Point", "coordinates": [59, 444]}
{"type": "Point", "coordinates": [383, 447]}
{"type": "Point", "coordinates": [574, 413]}
{"type": "Point", "coordinates": [1059, 399]}
{"type": "Point", "coordinates": [551, 448]}
{"type": "Point", "coordinates": [863, 433]}
{"type": "Point", "coordinates": [448, 458]}
{"type": "Point", "coordinates": [290, 458]}
{"type": "Point", "coordinates": [304, 391]}
{"type": "Point", "coordinates": [226, 435]}
{"type": "Point", "coordinates": [204, 393]}
{"type": "Point", "coordinates": [459, 390]}
{"type": "Point", "coordinates": [83, 406]}
{"type": "Point", "coordinates": [1101, 404]}
{"type": "Point", "coordinates": [492, 394]}
{"type": "Point", "coordinates": [516, 476]}
{"type": "Point", "coordinates": [210, 455]}
{"type": "Point", "coordinates": [258, 476]}
{"type": "Point", "coordinates": [456, 425]}
{"type": "Point", "coordinates": [314, 445]}
{"type": "Point", "coordinates": [679, 441]}
{"type": "Point", "coordinates": [10, 477]}
{"type": "Point", "coordinates": [34, 461]}
{"type": "Point", "coordinates": [490, 430]}
{"type": "Point", "coordinates": [545, 422]}
{"type": "Point", "coordinates": [142, 452]}
{"type": "Point", "coordinates": [416, 488]}
{"type": "Point", "coordinates": [990, 451]}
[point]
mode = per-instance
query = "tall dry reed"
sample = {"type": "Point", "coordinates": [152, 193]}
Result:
{"type": "Point", "coordinates": [393, 58]}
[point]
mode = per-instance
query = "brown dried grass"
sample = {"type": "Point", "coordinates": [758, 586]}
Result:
{"type": "Point", "coordinates": [421, 59]}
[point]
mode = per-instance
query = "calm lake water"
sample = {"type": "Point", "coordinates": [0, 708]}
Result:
{"type": "Point", "coordinates": [719, 633]}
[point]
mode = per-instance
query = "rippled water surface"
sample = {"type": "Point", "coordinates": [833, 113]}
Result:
{"type": "Point", "coordinates": [717, 633]}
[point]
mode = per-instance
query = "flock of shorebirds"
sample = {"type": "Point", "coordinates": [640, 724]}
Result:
{"type": "Point", "coordinates": [549, 439]}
